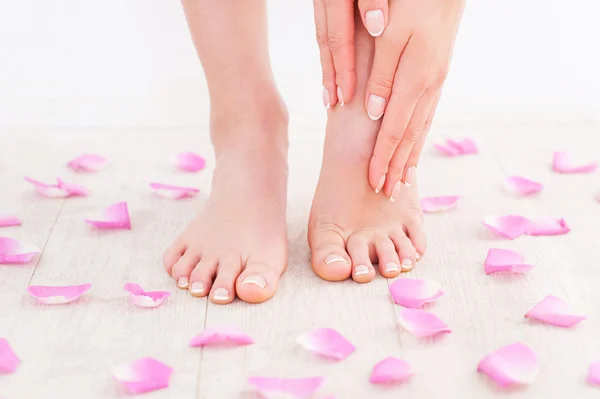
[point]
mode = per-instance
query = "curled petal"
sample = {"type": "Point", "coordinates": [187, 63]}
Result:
{"type": "Point", "coordinates": [513, 364]}
{"type": "Point", "coordinates": [438, 204]}
{"type": "Point", "coordinates": [504, 260]}
{"type": "Point", "coordinates": [190, 162]}
{"type": "Point", "coordinates": [391, 370]}
{"type": "Point", "coordinates": [115, 216]}
{"type": "Point", "coordinates": [9, 220]}
{"type": "Point", "coordinates": [57, 295]}
{"type": "Point", "coordinates": [8, 359]}
{"type": "Point", "coordinates": [87, 162]}
{"type": "Point", "coordinates": [327, 342]}
{"type": "Point", "coordinates": [145, 299]}
{"type": "Point", "coordinates": [547, 227]}
{"type": "Point", "coordinates": [421, 323]}
{"type": "Point", "coordinates": [510, 226]}
{"type": "Point", "coordinates": [173, 192]}
{"type": "Point", "coordinates": [522, 186]}
{"type": "Point", "coordinates": [562, 164]}
{"type": "Point", "coordinates": [555, 311]}
{"type": "Point", "coordinates": [143, 375]}
{"type": "Point", "coordinates": [13, 251]}
{"type": "Point", "coordinates": [222, 335]}
{"type": "Point", "coordinates": [415, 293]}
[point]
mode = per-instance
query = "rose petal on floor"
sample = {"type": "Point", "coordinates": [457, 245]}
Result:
{"type": "Point", "coordinates": [513, 364]}
{"type": "Point", "coordinates": [327, 342]}
{"type": "Point", "coordinates": [505, 260]}
{"type": "Point", "coordinates": [190, 162]}
{"type": "Point", "coordinates": [509, 226]}
{"type": "Point", "coordinates": [391, 370]}
{"type": "Point", "coordinates": [9, 220]}
{"type": "Point", "coordinates": [13, 251]}
{"type": "Point", "coordinates": [115, 216]}
{"type": "Point", "coordinates": [522, 186]}
{"type": "Point", "coordinates": [145, 299]}
{"type": "Point", "coordinates": [61, 189]}
{"type": "Point", "coordinates": [415, 293]}
{"type": "Point", "coordinates": [87, 162]}
{"type": "Point", "coordinates": [58, 295]}
{"type": "Point", "coordinates": [555, 311]}
{"type": "Point", "coordinates": [226, 335]}
{"type": "Point", "coordinates": [438, 204]}
{"type": "Point", "coordinates": [8, 359]}
{"type": "Point", "coordinates": [547, 227]}
{"type": "Point", "coordinates": [454, 148]}
{"type": "Point", "coordinates": [298, 388]}
{"type": "Point", "coordinates": [143, 375]}
{"type": "Point", "coordinates": [173, 192]}
{"type": "Point", "coordinates": [421, 323]}
{"type": "Point", "coordinates": [594, 374]}
{"type": "Point", "coordinates": [561, 163]}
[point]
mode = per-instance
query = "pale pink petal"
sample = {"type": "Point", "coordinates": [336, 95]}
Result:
{"type": "Point", "coordinates": [415, 293]}
{"type": "Point", "coordinates": [522, 186]}
{"type": "Point", "coordinates": [145, 299]}
{"type": "Point", "coordinates": [227, 335]}
{"type": "Point", "coordinates": [143, 375]}
{"type": "Point", "coordinates": [447, 150]}
{"type": "Point", "coordinates": [13, 251]}
{"type": "Point", "coordinates": [465, 146]}
{"type": "Point", "coordinates": [58, 295]}
{"type": "Point", "coordinates": [505, 260]}
{"type": "Point", "coordinates": [9, 220]}
{"type": "Point", "coordinates": [510, 226]}
{"type": "Point", "coordinates": [87, 162]}
{"type": "Point", "coordinates": [61, 189]}
{"type": "Point", "coordinates": [547, 227]}
{"type": "Point", "coordinates": [592, 378]}
{"type": "Point", "coordinates": [72, 189]}
{"type": "Point", "coordinates": [562, 164]}
{"type": "Point", "coordinates": [327, 342]}
{"type": "Point", "coordinates": [298, 388]}
{"type": "Point", "coordinates": [173, 192]}
{"type": "Point", "coordinates": [390, 370]}
{"type": "Point", "coordinates": [510, 365]}
{"type": "Point", "coordinates": [555, 311]}
{"type": "Point", "coordinates": [438, 204]}
{"type": "Point", "coordinates": [114, 217]}
{"type": "Point", "coordinates": [421, 323]}
{"type": "Point", "coordinates": [190, 162]}
{"type": "Point", "coordinates": [8, 360]}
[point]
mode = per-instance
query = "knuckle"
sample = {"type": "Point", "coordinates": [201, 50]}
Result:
{"type": "Point", "coordinates": [383, 83]}
{"type": "Point", "coordinates": [393, 137]}
{"type": "Point", "coordinates": [338, 42]}
{"type": "Point", "coordinates": [321, 37]}
{"type": "Point", "coordinates": [412, 135]}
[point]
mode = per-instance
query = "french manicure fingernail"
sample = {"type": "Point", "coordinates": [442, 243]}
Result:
{"type": "Point", "coordinates": [395, 192]}
{"type": "Point", "coordinates": [197, 287]}
{"type": "Point", "coordinates": [340, 96]}
{"type": "Point", "coordinates": [407, 264]}
{"type": "Point", "coordinates": [409, 179]}
{"type": "Point", "coordinates": [335, 258]}
{"type": "Point", "coordinates": [183, 282]}
{"type": "Point", "coordinates": [375, 107]}
{"type": "Point", "coordinates": [380, 184]}
{"type": "Point", "coordinates": [375, 22]}
{"type": "Point", "coordinates": [361, 270]}
{"type": "Point", "coordinates": [255, 279]}
{"type": "Point", "coordinates": [221, 294]}
{"type": "Point", "coordinates": [391, 267]}
{"type": "Point", "coordinates": [326, 101]}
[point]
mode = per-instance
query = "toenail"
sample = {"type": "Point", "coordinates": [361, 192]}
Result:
{"type": "Point", "coordinates": [183, 282]}
{"type": "Point", "coordinates": [361, 270]}
{"type": "Point", "coordinates": [197, 287]}
{"type": "Point", "coordinates": [335, 258]}
{"type": "Point", "coordinates": [391, 267]}
{"type": "Point", "coordinates": [221, 294]}
{"type": "Point", "coordinates": [380, 184]}
{"type": "Point", "coordinates": [255, 279]}
{"type": "Point", "coordinates": [407, 264]}
{"type": "Point", "coordinates": [395, 192]}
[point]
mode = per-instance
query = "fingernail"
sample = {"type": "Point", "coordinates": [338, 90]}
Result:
{"type": "Point", "coordinates": [395, 192]}
{"type": "Point", "coordinates": [326, 101]}
{"type": "Point", "coordinates": [375, 22]}
{"type": "Point", "coordinates": [183, 282]}
{"type": "Point", "coordinates": [361, 270]}
{"type": "Point", "coordinates": [221, 294]}
{"type": "Point", "coordinates": [380, 184]}
{"type": "Point", "coordinates": [409, 179]}
{"type": "Point", "coordinates": [407, 264]}
{"type": "Point", "coordinates": [375, 107]}
{"type": "Point", "coordinates": [340, 96]}
{"type": "Point", "coordinates": [255, 279]}
{"type": "Point", "coordinates": [197, 287]}
{"type": "Point", "coordinates": [335, 258]}
{"type": "Point", "coordinates": [391, 267]}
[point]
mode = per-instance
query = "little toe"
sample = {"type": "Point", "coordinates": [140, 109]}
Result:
{"type": "Point", "coordinates": [257, 283]}
{"type": "Point", "coordinates": [330, 261]}
{"type": "Point", "coordinates": [406, 251]}
{"type": "Point", "coordinates": [362, 268]}
{"type": "Point", "coordinates": [202, 276]}
{"type": "Point", "coordinates": [183, 268]}
{"type": "Point", "coordinates": [389, 263]}
{"type": "Point", "coordinates": [172, 255]}
{"type": "Point", "coordinates": [417, 236]}
{"type": "Point", "coordinates": [223, 289]}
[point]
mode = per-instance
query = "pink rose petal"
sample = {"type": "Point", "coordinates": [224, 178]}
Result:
{"type": "Point", "coordinates": [390, 370]}
{"type": "Point", "coordinates": [453, 147]}
{"type": "Point", "coordinates": [87, 162]}
{"type": "Point", "coordinates": [141, 298]}
{"type": "Point", "coordinates": [61, 189]}
{"type": "Point", "coordinates": [421, 323]}
{"type": "Point", "coordinates": [143, 375]}
{"type": "Point", "coordinates": [58, 295]}
{"type": "Point", "coordinates": [504, 260]}
{"type": "Point", "coordinates": [327, 342]}
{"type": "Point", "coordinates": [510, 226]}
{"type": "Point", "coordinates": [547, 227]}
{"type": "Point", "coordinates": [592, 378]}
{"type": "Point", "coordinates": [190, 162]}
{"type": "Point", "coordinates": [8, 220]}
{"type": "Point", "coordinates": [510, 365]}
{"type": "Point", "coordinates": [13, 251]}
{"type": "Point", "coordinates": [173, 192]}
{"type": "Point", "coordinates": [415, 293]}
{"type": "Point", "coordinates": [438, 204]}
{"type": "Point", "coordinates": [221, 335]}
{"type": "Point", "coordinates": [522, 186]}
{"type": "Point", "coordinates": [562, 164]}
{"type": "Point", "coordinates": [114, 217]}
{"type": "Point", "coordinates": [555, 311]}
{"type": "Point", "coordinates": [298, 388]}
{"type": "Point", "coordinates": [8, 360]}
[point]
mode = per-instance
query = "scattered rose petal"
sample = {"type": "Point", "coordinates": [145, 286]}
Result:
{"type": "Point", "coordinates": [190, 162]}
{"type": "Point", "coordinates": [510, 365]}
{"type": "Point", "coordinates": [221, 335]}
{"type": "Point", "coordinates": [438, 204]}
{"type": "Point", "coordinates": [562, 164]}
{"type": "Point", "coordinates": [114, 217]}
{"type": "Point", "coordinates": [510, 226]}
{"type": "Point", "coordinates": [453, 147]}
{"type": "Point", "coordinates": [143, 375]}
{"type": "Point", "coordinates": [522, 186]}
{"type": "Point", "coordinates": [87, 162]}
{"type": "Point", "coordinates": [58, 295]}
{"type": "Point", "coordinates": [505, 260]}
{"type": "Point", "coordinates": [327, 342]}
{"type": "Point", "coordinates": [593, 374]}
{"type": "Point", "coordinates": [144, 299]}
{"type": "Point", "coordinates": [173, 192]}
{"type": "Point", "coordinates": [8, 360]}
{"type": "Point", "coordinates": [13, 251]}
{"type": "Point", "coordinates": [421, 323]}
{"type": "Point", "coordinates": [298, 388]}
{"type": "Point", "coordinates": [415, 293]}
{"type": "Point", "coordinates": [555, 311]}
{"type": "Point", "coordinates": [547, 227]}
{"type": "Point", "coordinates": [8, 220]}
{"type": "Point", "coordinates": [61, 189]}
{"type": "Point", "coordinates": [390, 370]}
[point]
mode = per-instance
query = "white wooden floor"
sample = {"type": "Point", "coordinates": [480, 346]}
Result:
{"type": "Point", "coordinates": [69, 351]}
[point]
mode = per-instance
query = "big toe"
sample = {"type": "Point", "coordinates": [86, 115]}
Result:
{"type": "Point", "coordinates": [258, 282]}
{"type": "Point", "coordinates": [330, 261]}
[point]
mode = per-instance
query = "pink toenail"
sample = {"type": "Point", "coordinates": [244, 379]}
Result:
{"type": "Point", "coordinates": [221, 294]}
{"type": "Point", "coordinates": [335, 258]}
{"type": "Point", "coordinates": [255, 279]}
{"type": "Point", "coordinates": [361, 270]}
{"type": "Point", "coordinates": [391, 267]}
{"type": "Point", "coordinates": [197, 287]}
{"type": "Point", "coordinates": [183, 282]}
{"type": "Point", "coordinates": [407, 264]}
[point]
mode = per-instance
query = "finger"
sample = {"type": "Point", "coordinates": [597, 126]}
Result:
{"type": "Point", "coordinates": [374, 14]}
{"type": "Point", "coordinates": [329, 86]}
{"type": "Point", "coordinates": [415, 154]}
{"type": "Point", "coordinates": [340, 37]}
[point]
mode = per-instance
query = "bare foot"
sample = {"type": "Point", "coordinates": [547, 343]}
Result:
{"type": "Point", "coordinates": [237, 245]}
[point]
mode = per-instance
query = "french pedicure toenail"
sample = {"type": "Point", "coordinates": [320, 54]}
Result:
{"type": "Point", "coordinates": [340, 96]}
{"type": "Point", "coordinates": [375, 107]}
{"type": "Point", "coordinates": [361, 270]}
{"type": "Point", "coordinates": [221, 294]}
{"type": "Point", "coordinates": [255, 279]}
{"type": "Point", "coordinates": [335, 258]}
{"type": "Point", "coordinates": [391, 267]}
{"type": "Point", "coordinates": [183, 282]}
{"type": "Point", "coordinates": [375, 22]}
{"type": "Point", "coordinates": [380, 184]}
{"type": "Point", "coordinates": [326, 100]}
{"type": "Point", "coordinates": [410, 176]}
{"type": "Point", "coordinates": [407, 264]}
{"type": "Point", "coordinates": [395, 192]}
{"type": "Point", "coordinates": [197, 288]}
